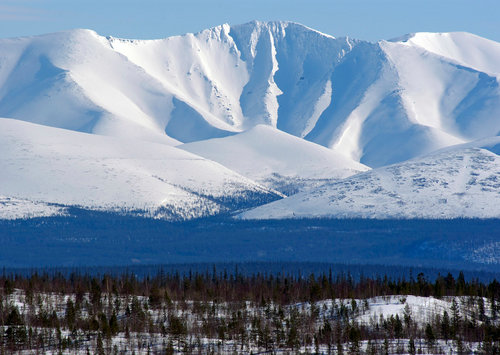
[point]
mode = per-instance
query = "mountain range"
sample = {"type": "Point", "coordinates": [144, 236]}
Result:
{"type": "Point", "coordinates": [260, 120]}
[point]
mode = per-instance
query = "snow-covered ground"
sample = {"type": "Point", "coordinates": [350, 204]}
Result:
{"type": "Point", "coordinates": [463, 48]}
{"type": "Point", "coordinates": [422, 310]}
{"type": "Point", "coordinates": [369, 313]}
{"type": "Point", "coordinates": [14, 208]}
{"type": "Point", "coordinates": [464, 182]}
{"type": "Point", "coordinates": [268, 155]}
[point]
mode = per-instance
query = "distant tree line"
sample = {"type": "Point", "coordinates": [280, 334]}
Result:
{"type": "Point", "coordinates": [234, 286]}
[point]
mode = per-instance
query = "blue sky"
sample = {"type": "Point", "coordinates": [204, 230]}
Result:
{"type": "Point", "coordinates": [363, 19]}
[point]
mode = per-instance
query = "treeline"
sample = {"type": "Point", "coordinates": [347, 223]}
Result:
{"type": "Point", "coordinates": [233, 286]}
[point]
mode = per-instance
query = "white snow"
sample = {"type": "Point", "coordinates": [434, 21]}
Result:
{"type": "Point", "coordinates": [14, 208]}
{"type": "Point", "coordinates": [368, 104]}
{"type": "Point", "coordinates": [51, 165]}
{"type": "Point", "coordinates": [196, 86]}
{"type": "Point", "coordinates": [421, 309]}
{"type": "Point", "coordinates": [461, 47]}
{"type": "Point", "coordinates": [264, 154]}
{"type": "Point", "coordinates": [461, 182]}
{"type": "Point", "coordinates": [438, 93]}
{"type": "Point", "coordinates": [423, 93]}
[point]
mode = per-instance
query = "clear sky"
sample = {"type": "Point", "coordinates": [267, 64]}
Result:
{"type": "Point", "coordinates": [362, 19]}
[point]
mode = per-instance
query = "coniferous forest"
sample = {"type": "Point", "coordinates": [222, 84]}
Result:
{"type": "Point", "coordinates": [217, 311]}
{"type": "Point", "coordinates": [109, 239]}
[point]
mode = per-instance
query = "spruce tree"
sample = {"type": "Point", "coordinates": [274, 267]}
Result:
{"type": "Point", "coordinates": [429, 336]}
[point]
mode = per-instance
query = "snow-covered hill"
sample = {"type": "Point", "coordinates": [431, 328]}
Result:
{"type": "Point", "coordinates": [276, 159]}
{"type": "Point", "coordinates": [453, 183]}
{"type": "Point", "coordinates": [41, 166]}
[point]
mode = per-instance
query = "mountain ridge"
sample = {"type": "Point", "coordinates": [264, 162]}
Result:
{"type": "Point", "coordinates": [276, 103]}
{"type": "Point", "coordinates": [278, 73]}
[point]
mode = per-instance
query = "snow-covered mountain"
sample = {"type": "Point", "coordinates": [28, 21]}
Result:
{"type": "Point", "coordinates": [416, 94]}
{"type": "Point", "coordinates": [273, 103]}
{"type": "Point", "coordinates": [191, 87]}
{"type": "Point", "coordinates": [463, 181]}
{"type": "Point", "coordinates": [41, 166]}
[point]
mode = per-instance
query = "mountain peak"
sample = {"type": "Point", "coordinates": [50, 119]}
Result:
{"type": "Point", "coordinates": [455, 35]}
{"type": "Point", "coordinates": [278, 27]}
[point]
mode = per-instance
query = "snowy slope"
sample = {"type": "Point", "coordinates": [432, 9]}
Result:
{"type": "Point", "coordinates": [273, 157]}
{"type": "Point", "coordinates": [375, 103]}
{"type": "Point", "coordinates": [461, 47]}
{"type": "Point", "coordinates": [48, 165]}
{"type": "Point", "coordinates": [421, 309]}
{"type": "Point", "coordinates": [491, 143]}
{"type": "Point", "coordinates": [396, 102]}
{"type": "Point", "coordinates": [14, 208]}
{"type": "Point", "coordinates": [73, 80]}
{"type": "Point", "coordinates": [192, 87]}
{"type": "Point", "coordinates": [460, 182]}
{"type": "Point", "coordinates": [445, 96]}
{"type": "Point", "coordinates": [235, 77]}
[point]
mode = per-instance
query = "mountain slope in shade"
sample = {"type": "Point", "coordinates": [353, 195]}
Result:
{"type": "Point", "coordinates": [45, 165]}
{"type": "Point", "coordinates": [453, 183]}
{"type": "Point", "coordinates": [275, 158]}
{"type": "Point", "coordinates": [396, 101]}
